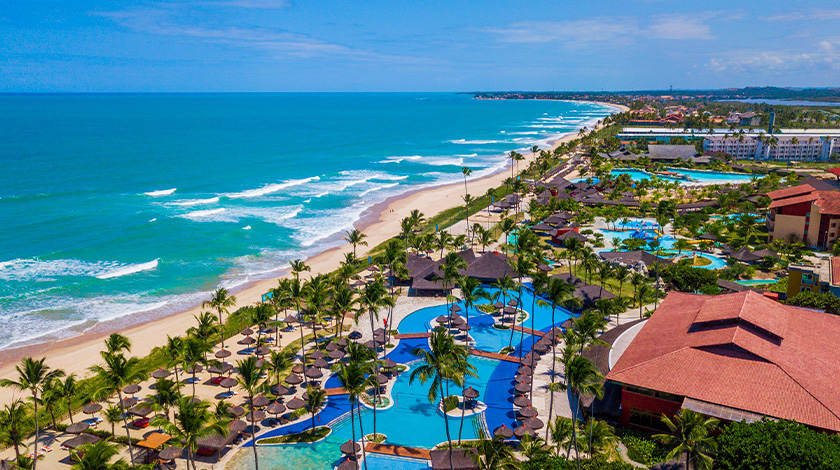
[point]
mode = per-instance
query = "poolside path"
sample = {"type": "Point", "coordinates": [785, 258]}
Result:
{"type": "Point", "coordinates": [528, 331]}
{"type": "Point", "coordinates": [412, 335]}
{"type": "Point", "coordinates": [492, 355]}
{"type": "Point", "coordinates": [335, 391]}
{"type": "Point", "coordinates": [399, 451]}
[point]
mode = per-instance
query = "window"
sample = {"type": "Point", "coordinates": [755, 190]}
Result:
{"type": "Point", "coordinates": [807, 278]}
{"type": "Point", "coordinates": [647, 419]}
{"type": "Point", "coordinates": [804, 289]}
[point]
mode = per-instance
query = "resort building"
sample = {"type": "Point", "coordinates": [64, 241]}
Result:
{"type": "Point", "coordinates": [804, 214]}
{"type": "Point", "coordinates": [823, 276]}
{"type": "Point", "coordinates": [735, 357]}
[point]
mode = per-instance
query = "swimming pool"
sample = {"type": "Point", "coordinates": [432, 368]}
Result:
{"type": "Point", "coordinates": [666, 242]}
{"type": "Point", "coordinates": [390, 462]}
{"type": "Point", "coordinates": [696, 176]}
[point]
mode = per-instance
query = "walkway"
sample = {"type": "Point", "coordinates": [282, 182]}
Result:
{"type": "Point", "coordinates": [528, 331]}
{"type": "Point", "coordinates": [335, 391]}
{"type": "Point", "coordinates": [412, 335]}
{"type": "Point", "coordinates": [492, 355]}
{"type": "Point", "coordinates": [399, 451]}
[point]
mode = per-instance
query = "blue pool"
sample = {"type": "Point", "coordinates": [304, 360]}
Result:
{"type": "Point", "coordinates": [697, 176]}
{"type": "Point", "coordinates": [390, 462]}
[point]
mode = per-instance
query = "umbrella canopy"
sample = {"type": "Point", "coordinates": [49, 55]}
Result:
{"type": "Point", "coordinates": [455, 308]}
{"type": "Point", "coordinates": [229, 382]}
{"type": "Point", "coordinates": [534, 423]}
{"type": "Point", "coordinates": [222, 353]}
{"type": "Point", "coordinates": [170, 453]}
{"type": "Point", "coordinates": [269, 330]}
{"type": "Point", "coordinates": [389, 363]}
{"type": "Point", "coordinates": [381, 379]}
{"type": "Point", "coordinates": [342, 342]}
{"type": "Point", "coordinates": [442, 319]}
{"type": "Point", "coordinates": [525, 379]}
{"type": "Point", "coordinates": [318, 355]}
{"type": "Point", "coordinates": [247, 340]}
{"type": "Point", "coordinates": [295, 403]}
{"type": "Point", "coordinates": [331, 347]}
{"type": "Point", "coordinates": [279, 390]}
{"type": "Point", "coordinates": [369, 345]}
{"type": "Point", "coordinates": [80, 440]}
{"type": "Point", "coordinates": [513, 302]}
{"type": "Point", "coordinates": [503, 431]}
{"type": "Point", "coordinates": [77, 428]}
{"type": "Point", "coordinates": [261, 401]}
{"type": "Point", "coordinates": [128, 402]}
{"type": "Point", "coordinates": [499, 305]}
{"type": "Point", "coordinates": [350, 448]}
{"type": "Point", "coordinates": [524, 370]}
{"type": "Point", "coordinates": [132, 389]}
{"type": "Point", "coordinates": [510, 310]}
{"type": "Point", "coordinates": [528, 412]}
{"type": "Point", "coordinates": [522, 401]}
{"type": "Point", "coordinates": [314, 373]}
{"type": "Point", "coordinates": [293, 379]}
{"type": "Point", "coordinates": [379, 331]}
{"type": "Point", "coordinates": [320, 363]}
{"type": "Point", "coordinates": [92, 408]}
{"type": "Point", "coordinates": [354, 335]}
{"type": "Point", "coordinates": [347, 465]}
{"type": "Point", "coordinates": [290, 319]}
{"type": "Point", "coordinates": [262, 351]}
{"type": "Point", "coordinates": [161, 373]}
{"type": "Point", "coordinates": [464, 327]}
{"type": "Point", "coordinates": [540, 348]}
{"type": "Point", "coordinates": [297, 368]}
{"type": "Point", "coordinates": [379, 339]}
{"type": "Point", "coordinates": [276, 408]}
{"type": "Point", "coordinates": [335, 354]}
{"type": "Point", "coordinates": [237, 425]}
{"type": "Point", "coordinates": [470, 393]}
{"type": "Point", "coordinates": [246, 332]}
{"type": "Point", "coordinates": [256, 416]}
{"type": "Point", "coordinates": [521, 431]}
{"type": "Point", "coordinates": [522, 387]}
{"type": "Point", "coordinates": [236, 411]}
{"type": "Point", "coordinates": [544, 268]}
{"type": "Point", "coordinates": [222, 369]}
{"type": "Point", "coordinates": [194, 368]}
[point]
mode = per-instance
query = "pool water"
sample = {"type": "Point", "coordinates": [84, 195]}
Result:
{"type": "Point", "coordinates": [666, 242]}
{"type": "Point", "coordinates": [390, 462]}
{"type": "Point", "coordinates": [697, 176]}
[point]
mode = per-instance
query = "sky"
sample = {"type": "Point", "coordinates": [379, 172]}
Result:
{"type": "Point", "coordinates": [428, 45]}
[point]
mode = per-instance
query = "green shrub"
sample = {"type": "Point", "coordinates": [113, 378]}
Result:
{"type": "Point", "coordinates": [642, 447]}
{"type": "Point", "coordinates": [560, 463]}
{"type": "Point", "coordinates": [775, 445]}
{"type": "Point", "coordinates": [310, 435]}
{"type": "Point", "coordinates": [817, 300]}
{"type": "Point", "coordinates": [450, 403]}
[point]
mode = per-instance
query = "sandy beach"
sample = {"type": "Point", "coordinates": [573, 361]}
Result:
{"type": "Point", "coordinates": [379, 223]}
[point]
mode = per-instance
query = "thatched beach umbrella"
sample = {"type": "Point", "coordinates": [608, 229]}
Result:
{"type": "Point", "coordinates": [528, 412]}
{"type": "Point", "coordinates": [222, 353]}
{"type": "Point", "coordinates": [442, 319]}
{"type": "Point", "coordinates": [194, 368]}
{"type": "Point", "coordinates": [80, 440]}
{"type": "Point", "coordinates": [521, 431]}
{"type": "Point", "coordinates": [524, 370]}
{"type": "Point", "coordinates": [92, 408]}
{"type": "Point", "coordinates": [293, 379]}
{"type": "Point", "coordinates": [132, 389]}
{"type": "Point", "coordinates": [382, 379]}
{"type": "Point", "coordinates": [369, 344]}
{"type": "Point", "coordinates": [128, 402]}
{"type": "Point", "coordinates": [471, 393]}
{"type": "Point", "coordinates": [295, 403]}
{"type": "Point", "coordinates": [237, 425]}
{"type": "Point", "coordinates": [534, 423]}
{"type": "Point", "coordinates": [348, 465]}
{"type": "Point", "coordinates": [77, 428]}
{"type": "Point", "coordinates": [455, 308]}
{"type": "Point", "coordinates": [297, 368]}
{"type": "Point", "coordinates": [290, 319]}
{"type": "Point", "coordinates": [523, 378]}
{"type": "Point", "coordinates": [262, 351]}
{"type": "Point", "coordinates": [247, 341]}
{"type": "Point", "coordinates": [522, 387]}
{"type": "Point", "coordinates": [503, 431]}
{"type": "Point", "coordinates": [256, 416]}
{"type": "Point", "coordinates": [513, 302]}
{"type": "Point", "coordinates": [510, 310]}
{"type": "Point", "coordinates": [541, 348]}
{"type": "Point", "coordinates": [320, 363]}
{"type": "Point", "coordinates": [236, 411]}
{"type": "Point", "coordinates": [331, 347]}
{"type": "Point", "coordinates": [170, 453]}
{"type": "Point", "coordinates": [276, 408]}
{"type": "Point", "coordinates": [342, 342]}
{"type": "Point", "coordinates": [318, 355]}
{"type": "Point", "coordinates": [246, 332]}
{"type": "Point", "coordinates": [355, 335]}
{"type": "Point", "coordinates": [498, 305]}
{"type": "Point", "coordinates": [161, 373]}
{"type": "Point", "coordinates": [350, 448]}
{"type": "Point", "coordinates": [335, 355]}
{"type": "Point", "coordinates": [260, 401]}
{"type": "Point", "coordinates": [379, 331]}
{"type": "Point", "coordinates": [279, 390]}
{"type": "Point", "coordinates": [314, 373]}
{"type": "Point", "coordinates": [228, 383]}
{"type": "Point", "coordinates": [220, 369]}
{"type": "Point", "coordinates": [389, 363]}
{"type": "Point", "coordinates": [521, 400]}
{"type": "Point", "coordinates": [464, 327]}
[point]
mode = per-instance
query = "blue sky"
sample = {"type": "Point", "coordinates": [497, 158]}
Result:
{"type": "Point", "coordinates": [430, 45]}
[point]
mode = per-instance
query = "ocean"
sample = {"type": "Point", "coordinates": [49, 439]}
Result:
{"type": "Point", "coordinates": [128, 206]}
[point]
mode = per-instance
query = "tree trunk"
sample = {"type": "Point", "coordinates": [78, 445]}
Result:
{"type": "Point", "coordinates": [448, 437]}
{"type": "Point", "coordinates": [127, 432]}
{"type": "Point", "coordinates": [52, 417]}
{"type": "Point", "coordinates": [376, 374]}
{"type": "Point", "coordinates": [361, 430]}
{"type": "Point", "coordinates": [254, 435]}
{"type": "Point", "coordinates": [353, 433]}
{"type": "Point", "coordinates": [193, 379]}
{"type": "Point", "coordinates": [70, 411]}
{"type": "Point", "coordinates": [222, 329]}
{"type": "Point", "coordinates": [35, 402]}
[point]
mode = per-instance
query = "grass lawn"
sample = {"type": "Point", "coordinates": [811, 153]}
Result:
{"type": "Point", "coordinates": [310, 435]}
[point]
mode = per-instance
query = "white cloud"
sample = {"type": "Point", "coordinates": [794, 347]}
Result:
{"type": "Point", "coordinates": [679, 28]}
{"type": "Point", "coordinates": [823, 55]}
{"type": "Point", "coordinates": [812, 14]}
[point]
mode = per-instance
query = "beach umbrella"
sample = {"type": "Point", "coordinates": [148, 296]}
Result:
{"type": "Point", "coordinates": [161, 373]}
{"type": "Point", "coordinates": [510, 310]}
{"type": "Point", "coordinates": [128, 402]}
{"type": "Point", "coordinates": [464, 327]}
{"type": "Point", "coordinates": [521, 431]}
{"type": "Point", "coordinates": [566, 325]}
{"type": "Point", "coordinates": [194, 368]}
{"type": "Point", "coordinates": [132, 389]}
{"type": "Point", "coordinates": [236, 411]}
{"type": "Point", "coordinates": [331, 347]}
{"type": "Point", "coordinates": [276, 408]}
{"type": "Point", "coordinates": [342, 342]}
{"type": "Point", "coordinates": [80, 440]}
{"type": "Point", "coordinates": [295, 403]}
{"type": "Point", "coordinates": [369, 345]}
{"type": "Point", "coordinates": [320, 363]}
{"type": "Point", "coordinates": [379, 340]}
{"type": "Point", "coordinates": [499, 305]}
{"type": "Point", "coordinates": [92, 408]}
{"type": "Point", "coordinates": [382, 379]}
{"type": "Point", "coordinates": [379, 331]}
{"type": "Point", "coordinates": [262, 351]}
{"type": "Point", "coordinates": [247, 341]}
{"type": "Point", "coordinates": [471, 393]}
{"type": "Point", "coordinates": [348, 465]}
{"type": "Point", "coordinates": [260, 401]}
{"type": "Point", "coordinates": [335, 354]}
{"type": "Point", "coordinates": [237, 425]}
{"type": "Point", "coordinates": [350, 448]}
{"type": "Point", "coordinates": [442, 319]}
{"type": "Point", "coordinates": [269, 330]}
{"type": "Point", "coordinates": [503, 431]}
{"type": "Point", "coordinates": [540, 348]}
{"type": "Point", "coordinates": [513, 302]}
{"type": "Point", "coordinates": [228, 383]}
{"type": "Point", "coordinates": [222, 369]}
{"type": "Point", "coordinates": [256, 416]}
{"type": "Point", "coordinates": [279, 390]}
{"type": "Point", "coordinates": [293, 379]}
{"type": "Point", "coordinates": [246, 332]}
{"type": "Point", "coordinates": [170, 453]}
{"type": "Point", "coordinates": [525, 379]}
{"type": "Point", "coordinates": [389, 363]}
{"type": "Point", "coordinates": [534, 423]}
{"type": "Point", "coordinates": [314, 373]}
{"type": "Point", "coordinates": [260, 363]}
{"type": "Point", "coordinates": [454, 316]}
{"type": "Point", "coordinates": [524, 370]}
{"type": "Point", "coordinates": [521, 400]}
{"type": "Point", "coordinates": [77, 428]}
{"type": "Point", "coordinates": [455, 308]}
{"type": "Point", "coordinates": [318, 355]}
{"type": "Point", "coordinates": [290, 319]}
{"type": "Point", "coordinates": [544, 268]}
{"type": "Point", "coordinates": [528, 412]}
{"type": "Point", "coordinates": [297, 368]}
{"type": "Point", "coordinates": [522, 387]}
{"type": "Point", "coordinates": [354, 335]}
{"type": "Point", "coordinates": [222, 353]}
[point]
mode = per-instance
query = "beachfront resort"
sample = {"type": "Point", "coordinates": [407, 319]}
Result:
{"type": "Point", "coordinates": [611, 305]}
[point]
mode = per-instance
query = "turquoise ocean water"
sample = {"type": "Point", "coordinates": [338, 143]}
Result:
{"type": "Point", "coordinates": [134, 206]}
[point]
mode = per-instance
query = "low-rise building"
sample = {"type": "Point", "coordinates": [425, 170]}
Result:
{"type": "Point", "coordinates": [824, 276]}
{"type": "Point", "coordinates": [804, 214]}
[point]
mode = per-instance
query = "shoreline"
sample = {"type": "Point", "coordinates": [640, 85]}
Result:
{"type": "Point", "coordinates": [380, 222]}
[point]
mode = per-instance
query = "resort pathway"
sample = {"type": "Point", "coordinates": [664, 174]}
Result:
{"type": "Point", "coordinates": [412, 335]}
{"type": "Point", "coordinates": [528, 331]}
{"type": "Point", "coordinates": [399, 451]}
{"type": "Point", "coordinates": [492, 355]}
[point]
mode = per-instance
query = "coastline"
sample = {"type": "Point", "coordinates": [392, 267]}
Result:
{"type": "Point", "coordinates": [379, 222]}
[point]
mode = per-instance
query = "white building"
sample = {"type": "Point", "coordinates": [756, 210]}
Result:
{"type": "Point", "coordinates": [774, 147]}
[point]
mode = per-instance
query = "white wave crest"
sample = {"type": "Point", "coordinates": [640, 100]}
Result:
{"type": "Point", "coordinates": [194, 202]}
{"type": "Point", "coordinates": [477, 142]}
{"type": "Point", "coordinates": [397, 159]}
{"type": "Point", "coordinates": [128, 269]}
{"type": "Point", "coordinates": [271, 188]}
{"type": "Point", "coordinates": [378, 188]}
{"type": "Point", "coordinates": [201, 214]}
{"type": "Point", "coordinates": [162, 192]}
{"type": "Point", "coordinates": [387, 177]}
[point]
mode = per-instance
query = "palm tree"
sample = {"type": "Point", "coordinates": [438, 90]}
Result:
{"type": "Point", "coordinates": [195, 354]}
{"type": "Point", "coordinates": [116, 343]}
{"type": "Point", "coordinates": [298, 267]}
{"type": "Point", "coordinates": [621, 274]}
{"type": "Point", "coordinates": [343, 301]}
{"type": "Point", "coordinates": [221, 301]}
{"type": "Point", "coordinates": [600, 437]}
{"type": "Point", "coordinates": [643, 293]}
{"type": "Point", "coordinates": [315, 399]}
{"type": "Point", "coordinates": [97, 456]}
{"type": "Point", "coordinates": [443, 240]}
{"type": "Point", "coordinates": [193, 421]}
{"type": "Point", "coordinates": [113, 414]}
{"type": "Point", "coordinates": [33, 375]}
{"type": "Point", "coordinates": [445, 361]}
{"type": "Point", "coordinates": [206, 328]}
{"type": "Point", "coordinates": [690, 435]}
{"type": "Point", "coordinates": [582, 377]}
{"type": "Point", "coordinates": [533, 448]}
{"type": "Point", "coordinates": [355, 237]}
{"type": "Point", "coordinates": [50, 398]}
{"type": "Point", "coordinates": [13, 418]}
{"type": "Point", "coordinates": [167, 394]}
{"type": "Point", "coordinates": [493, 454]}
{"type": "Point", "coordinates": [561, 430]}
{"type": "Point", "coordinates": [352, 378]}
{"type": "Point", "coordinates": [277, 363]}
{"type": "Point", "coordinates": [67, 390]}
{"type": "Point", "coordinates": [249, 379]}
{"type": "Point", "coordinates": [374, 297]}
{"type": "Point", "coordinates": [174, 352]}
{"type": "Point", "coordinates": [115, 374]}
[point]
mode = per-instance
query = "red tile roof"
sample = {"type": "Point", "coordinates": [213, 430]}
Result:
{"type": "Point", "coordinates": [792, 191]}
{"type": "Point", "coordinates": [743, 351]}
{"type": "Point", "coordinates": [789, 201]}
{"type": "Point", "coordinates": [834, 171]}
{"type": "Point", "coordinates": [829, 202]}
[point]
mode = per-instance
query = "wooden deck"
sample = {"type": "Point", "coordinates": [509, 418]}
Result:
{"type": "Point", "coordinates": [399, 451]}
{"type": "Point", "coordinates": [335, 391]}
{"type": "Point", "coordinates": [492, 355]}
{"type": "Point", "coordinates": [412, 335]}
{"type": "Point", "coordinates": [528, 331]}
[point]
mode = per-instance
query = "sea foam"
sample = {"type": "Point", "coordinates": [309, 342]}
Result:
{"type": "Point", "coordinates": [128, 269]}
{"type": "Point", "coordinates": [162, 192]}
{"type": "Point", "coordinates": [271, 188]}
{"type": "Point", "coordinates": [194, 202]}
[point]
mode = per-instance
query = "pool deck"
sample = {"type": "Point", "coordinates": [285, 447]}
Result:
{"type": "Point", "coordinates": [399, 451]}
